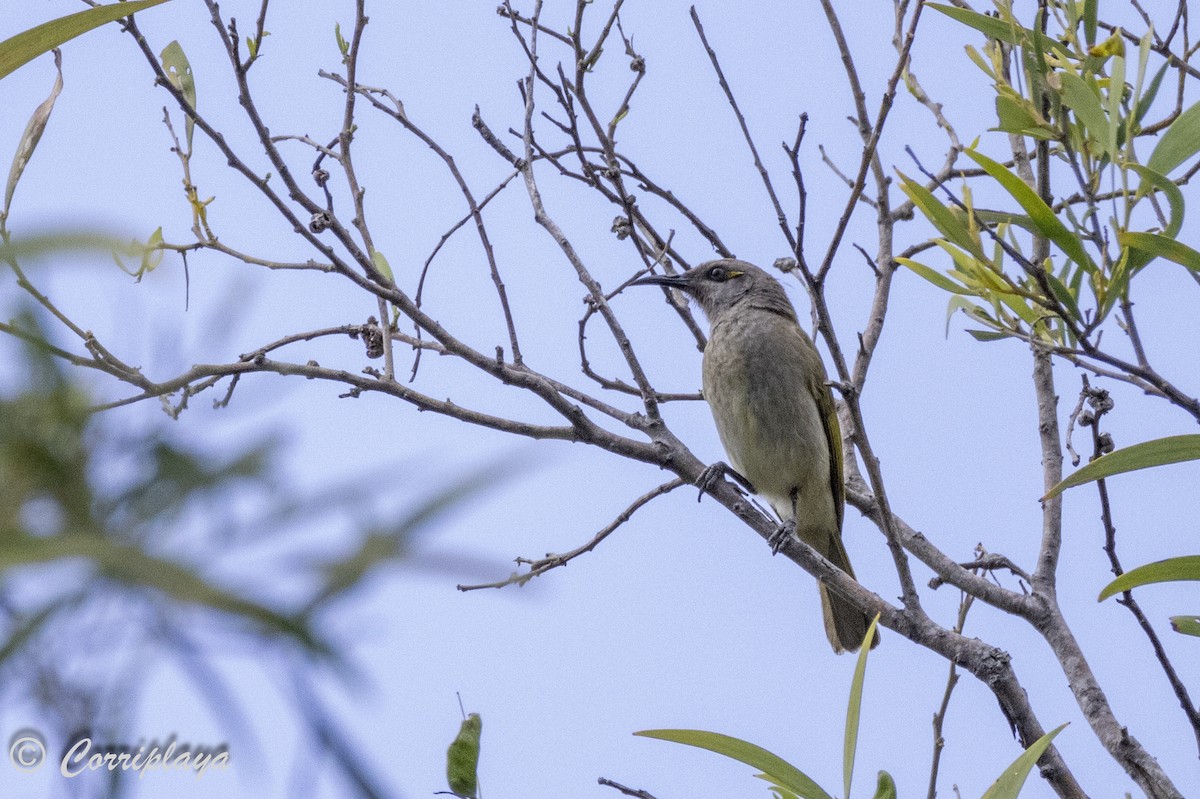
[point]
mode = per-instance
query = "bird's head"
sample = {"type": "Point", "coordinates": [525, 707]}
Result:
{"type": "Point", "coordinates": [725, 285]}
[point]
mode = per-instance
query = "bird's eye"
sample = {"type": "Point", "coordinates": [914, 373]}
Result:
{"type": "Point", "coordinates": [717, 273]}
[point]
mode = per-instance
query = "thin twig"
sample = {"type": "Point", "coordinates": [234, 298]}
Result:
{"type": "Point", "coordinates": [635, 793]}
{"type": "Point", "coordinates": [540, 566]}
{"type": "Point", "coordinates": [780, 216]}
{"type": "Point", "coordinates": [1101, 404]}
{"type": "Point", "coordinates": [346, 161]}
{"type": "Point", "coordinates": [939, 718]}
{"type": "Point", "coordinates": [396, 112]}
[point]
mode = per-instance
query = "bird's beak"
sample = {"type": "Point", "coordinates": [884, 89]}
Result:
{"type": "Point", "coordinates": [670, 281]}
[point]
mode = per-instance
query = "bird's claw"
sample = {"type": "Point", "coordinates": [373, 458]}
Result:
{"type": "Point", "coordinates": [709, 477]}
{"type": "Point", "coordinates": [781, 535]}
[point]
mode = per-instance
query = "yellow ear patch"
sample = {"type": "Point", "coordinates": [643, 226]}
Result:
{"type": "Point", "coordinates": [734, 273]}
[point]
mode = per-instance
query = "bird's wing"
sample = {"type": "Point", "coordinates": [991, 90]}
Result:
{"type": "Point", "coordinates": [833, 435]}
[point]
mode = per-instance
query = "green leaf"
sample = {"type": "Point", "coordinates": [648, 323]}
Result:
{"type": "Point", "coordinates": [1004, 218]}
{"type": "Point", "coordinates": [1072, 10]}
{"type": "Point", "coordinates": [777, 792]}
{"type": "Point", "coordinates": [950, 225]}
{"type": "Point", "coordinates": [774, 768]}
{"type": "Point", "coordinates": [1063, 295]}
{"type": "Point", "coordinates": [933, 276]}
{"type": "Point", "coordinates": [1147, 99]}
{"type": "Point", "coordinates": [987, 335]}
{"type": "Point", "coordinates": [1144, 45]}
{"type": "Point", "coordinates": [1090, 12]}
{"type": "Point", "coordinates": [885, 786]}
{"type": "Point", "coordinates": [1039, 213]}
{"type": "Point", "coordinates": [69, 240]}
{"type": "Point", "coordinates": [1171, 570]}
{"type": "Point", "coordinates": [27, 45]}
{"type": "Point", "coordinates": [980, 62]}
{"type": "Point", "coordinates": [30, 138]}
{"type": "Point", "coordinates": [958, 303]}
{"type": "Point", "coordinates": [854, 709]}
{"type": "Point", "coordinates": [148, 255]}
{"type": "Point", "coordinates": [1004, 30]}
{"type": "Point", "coordinates": [381, 263]}
{"type": "Point", "coordinates": [153, 255]}
{"type": "Point", "coordinates": [179, 71]}
{"type": "Point", "coordinates": [462, 758]}
{"type": "Point", "coordinates": [343, 45]}
{"type": "Point", "coordinates": [1159, 452]}
{"type": "Point", "coordinates": [1179, 143]}
{"type": "Point", "coordinates": [1119, 281]}
{"type": "Point", "coordinates": [1009, 784]}
{"type": "Point", "coordinates": [1035, 59]}
{"type": "Point", "coordinates": [1116, 88]}
{"type": "Point", "coordinates": [1157, 245]}
{"type": "Point", "coordinates": [1167, 187]}
{"type": "Point", "coordinates": [975, 275]}
{"type": "Point", "coordinates": [993, 28]}
{"type": "Point", "coordinates": [1017, 304]}
{"type": "Point", "coordinates": [1080, 98]}
{"type": "Point", "coordinates": [1015, 115]}
{"type": "Point", "coordinates": [1186, 625]}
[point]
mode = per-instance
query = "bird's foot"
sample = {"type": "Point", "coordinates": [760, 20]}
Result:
{"type": "Point", "coordinates": [781, 535]}
{"type": "Point", "coordinates": [709, 477]}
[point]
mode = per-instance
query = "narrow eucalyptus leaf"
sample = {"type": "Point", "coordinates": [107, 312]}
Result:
{"type": "Point", "coordinates": [1091, 10]}
{"type": "Point", "coordinates": [1009, 784]}
{"type": "Point", "coordinates": [1178, 144]}
{"type": "Point", "coordinates": [774, 768]}
{"type": "Point", "coordinates": [1159, 245]}
{"type": "Point", "coordinates": [1147, 99]}
{"type": "Point", "coordinates": [933, 276]}
{"type": "Point", "coordinates": [1158, 452]}
{"type": "Point", "coordinates": [28, 45]}
{"type": "Point", "coordinates": [1063, 295]}
{"type": "Point", "coordinates": [1167, 187]}
{"type": "Point", "coordinates": [1039, 213]}
{"type": "Point", "coordinates": [885, 786]}
{"type": "Point", "coordinates": [951, 226]}
{"type": "Point", "coordinates": [987, 335]}
{"type": "Point", "coordinates": [999, 29]}
{"type": "Point", "coordinates": [1015, 115]}
{"type": "Point", "coordinates": [1186, 625]}
{"type": "Point", "coordinates": [30, 138]}
{"type": "Point", "coordinates": [1116, 88]}
{"type": "Point", "coordinates": [1171, 570]}
{"type": "Point", "coordinates": [854, 709]}
{"type": "Point", "coordinates": [1083, 99]}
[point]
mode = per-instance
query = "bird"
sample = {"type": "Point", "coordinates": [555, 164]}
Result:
{"type": "Point", "coordinates": [769, 395]}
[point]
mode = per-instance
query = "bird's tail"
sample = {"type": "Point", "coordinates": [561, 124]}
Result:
{"type": "Point", "coordinates": [845, 624]}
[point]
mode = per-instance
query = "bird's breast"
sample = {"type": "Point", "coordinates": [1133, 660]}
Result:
{"type": "Point", "coordinates": [758, 378]}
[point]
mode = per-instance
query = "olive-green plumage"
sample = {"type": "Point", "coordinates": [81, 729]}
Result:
{"type": "Point", "coordinates": [766, 386]}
